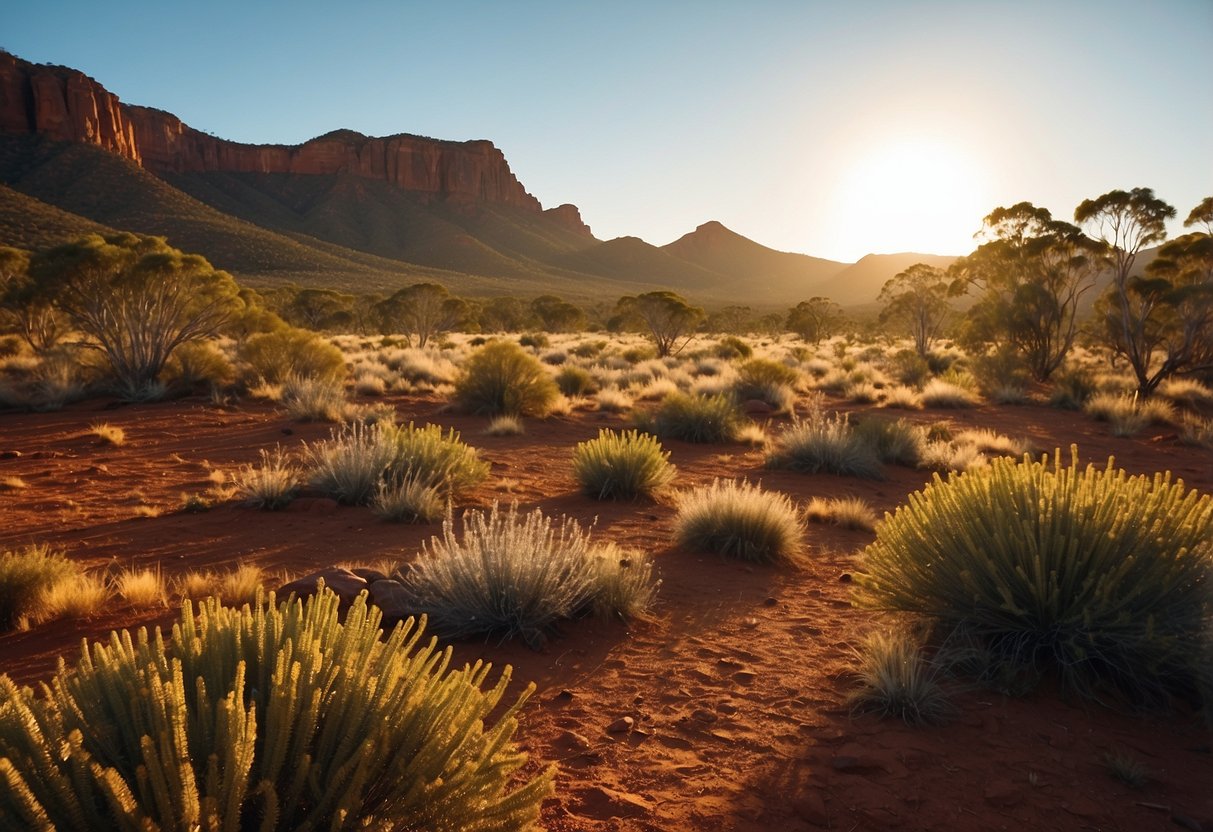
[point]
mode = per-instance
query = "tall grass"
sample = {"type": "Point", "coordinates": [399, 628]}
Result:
{"type": "Point", "coordinates": [621, 465]}
{"type": "Point", "coordinates": [739, 520]}
{"type": "Point", "coordinates": [824, 444]}
{"type": "Point", "coordinates": [26, 577]}
{"type": "Point", "coordinates": [698, 418]}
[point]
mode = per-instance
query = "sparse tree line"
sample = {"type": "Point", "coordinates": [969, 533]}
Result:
{"type": "Point", "coordinates": [136, 300]}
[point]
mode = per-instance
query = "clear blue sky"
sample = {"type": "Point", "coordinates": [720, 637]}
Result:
{"type": "Point", "coordinates": [833, 129]}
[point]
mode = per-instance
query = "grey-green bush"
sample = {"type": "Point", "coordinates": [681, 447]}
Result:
{"type": "Point", "coordinates": [698, 418]}
{"type": "Point", "coordinates": [503, 378]}
{"type": "Point", "coordinates": [824, 444]}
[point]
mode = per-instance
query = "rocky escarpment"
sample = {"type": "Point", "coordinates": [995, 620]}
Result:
{"type": "Point", "coordinates": [67, 105]}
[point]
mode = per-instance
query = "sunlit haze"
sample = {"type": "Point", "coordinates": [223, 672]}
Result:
{"type": "Point", "coordinates": [833, 129]}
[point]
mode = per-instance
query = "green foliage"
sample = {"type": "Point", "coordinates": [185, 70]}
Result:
{"type": "Point", "coordinates": [270, 718]}
{"type": "Point", "coordinates": [423, 310]}
{"type": "Point", "coordinates": [740, 521]}
{"type": "Point", "coordinates": [732, 347]}
{"type": "Point", "coordinates": [575, 381]}
{"type": "Point", "coordinates": [409, 501]}
{"type": "Point", "coordinates": [557, 315]}
{"type": "Point", "coordinates": [814, 319]}
{"type": "Point", "coordinates": [698, 418]}
{"type": "Point", "coordinates": [508, 573]}
{"type": "Point", "coordinates": [502, 378]}
{"type": "Point", "coordinates": [1103, 577]}
{"type": "Point", "coordinates": [25, 577]}
{"type": "Point", "coordinates": [824, 444]}
{"type": "Point", "coordinates": [895, 680]}
{"type": "Point", "coordinates": [621, 465]}
{"type": "Point", "coordinates": [917, 301]}
{"type": "Point", "coordinates": [282, 353]}
{"type": "Point", "coordinates": [665, 316]}
{"type": "Point", "coordinates": [897, 441]}
{"type": "Point", "coordinates": [357, 460]}
{"type": "Point", "coordinates": [198, 363]}
{"type": "Point", "coordinates": [1071, 388]}
{"type": "Point", "coordinates": [135, 299]}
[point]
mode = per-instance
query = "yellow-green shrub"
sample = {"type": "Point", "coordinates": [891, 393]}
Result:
{"type": "Point", "coordinates": [274, 356]}
{"type": "Point", "coordinates": [501, 377]}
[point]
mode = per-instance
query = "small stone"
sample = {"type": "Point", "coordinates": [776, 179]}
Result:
{"type": "Point", "coordinates": [845, 578]}
{"type": "Point", "coordinates": [621, 726]}
{"type": "Point", "coordinates": [703, 715]}
{"type": "Point", "coordinates": [744, 677]}
{"type": "Point", "coordinates": [343, 582]}
{"type": "Point", "coordinates": [392, 599]}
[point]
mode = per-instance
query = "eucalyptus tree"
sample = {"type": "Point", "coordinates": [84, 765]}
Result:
{"type": "Point", "coordinates": [665, 316]}
{"type": "Point", "coordinates": [917, 300]}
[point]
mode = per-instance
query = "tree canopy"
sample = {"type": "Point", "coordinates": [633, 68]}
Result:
{"type": "Point", "coordinates": [665, 316]}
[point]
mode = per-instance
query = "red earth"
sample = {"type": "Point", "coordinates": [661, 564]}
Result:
{"type": "Point", "coordinates": [737, 686]}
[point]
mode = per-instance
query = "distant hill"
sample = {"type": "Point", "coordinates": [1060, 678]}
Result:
{"type": "Point", "coordinates": [763, 274]}
{"type": "Point", "coordinates": [860, 283]}
{"type": "Point", "coordinates": [631, 257]}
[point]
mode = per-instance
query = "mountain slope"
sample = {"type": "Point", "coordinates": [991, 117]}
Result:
{"type": "Point", "coordinates": [767, 275]}
{"type": "Point", "coordinates": [860, 283]}
{"type": "Point", "coordinates": [631, 258]}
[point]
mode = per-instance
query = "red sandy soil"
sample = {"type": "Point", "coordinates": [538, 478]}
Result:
{"type": "Point", "coordinates": [737, 687]}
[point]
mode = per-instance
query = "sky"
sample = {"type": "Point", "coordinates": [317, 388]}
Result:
{"type": "Point", "coordinates": [834, 129]}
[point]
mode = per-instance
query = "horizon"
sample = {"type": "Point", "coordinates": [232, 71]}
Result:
{"type": "Point", "coordinates": [842, 132]}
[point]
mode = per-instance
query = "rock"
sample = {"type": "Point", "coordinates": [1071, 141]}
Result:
{"type": "Point", "coordinates": [391, 598]}
{"type": "Point", "coordinates": [570, 217]}
{"type": "Point", "coordinates": [756, 407]}
{"type": "Point", "coordinates": [621, 726]}
{"type": "Point", "coordinates": [744, 677]}
{"type": "Point", "coordinates": [345, 583]}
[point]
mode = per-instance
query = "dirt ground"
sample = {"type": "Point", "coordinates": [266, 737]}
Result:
{"type": "Point", "coordinates": [737, 687]}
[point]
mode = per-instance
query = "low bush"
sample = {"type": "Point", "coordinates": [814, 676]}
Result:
{"type": "Point", "coordinates": [575, 381]}
{"type": "Point", "coordinates": [282, 717]}
{"type": "Point", "coordinates": [408, 501]}
{"type": "Point", "coordinates": [1103, 577]}
{"type": "Point", "coordinates": [271, 485]}
{"type": "Point", "coordinates": [509, 573]}
{"type": "Point", "coordinates": [502, 378]}
{"type": "Point", "coordinates": [896, 441]}
{"type": "Point", "coordinates": [1071, 388]}
{"type": "Point", "coordinates": [940, 393]}
{"type": "Point", "coordinates": [625, 585]}
{"type": "Point", "coordinates": [824, 444]}
{"type": "Point", "coordinates": [1126, 414]}
{"type": "Point", "coordinates": [26, 576]}
{"type": "Point", "coordinates": [731, 346]}
{"type": "Point", "coordinates": [278, 355]}
{"type": "Point", "coordinates": [895, 680]}
{"type": "Point", "coordinates": [198, 363]}
{"type": "Point", "coordinates": [845, 512]}
{"type": "Point", "coordinates": [505, 426]}
{"type": "Point", "coordinates": [698, 418]}
{"type": "Point", "coordinates": [767, 381]}
{"type": "Point", "coordinates": [309, 399]}
{"type": "Point", "coordinates": [740, 521]}
{"type": "Point", "coordinates": [621, 466]}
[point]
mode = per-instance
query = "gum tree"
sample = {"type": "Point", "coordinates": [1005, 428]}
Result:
{"type": "Point", "coordinates": [135, 299]}
{"type": "Point", "coordinates": [1125, 222]}
{"type": "Point", "coordinates": [917, 299]}
{"type": "Point", "coordinates": [665, 316]}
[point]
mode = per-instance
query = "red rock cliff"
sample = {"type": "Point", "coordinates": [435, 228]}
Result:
{"type": "Point", "coordinates": [67, 105]}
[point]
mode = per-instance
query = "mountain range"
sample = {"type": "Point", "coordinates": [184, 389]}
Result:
{"type": "Point", "coordinates": [355, 212]}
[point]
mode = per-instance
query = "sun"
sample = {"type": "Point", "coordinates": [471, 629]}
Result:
{"type": "Point", "coordinates": [916, 194]}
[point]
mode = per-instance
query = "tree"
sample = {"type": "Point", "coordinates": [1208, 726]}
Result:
{"type": "Point", "coordinates": [731, 320]}
{"type": "Point", "coordinates": [814, 319]}
{"type": "Point", "coordinates": [34, 318]}
{"type": "Point", "coordinates": [917, 299]}
{"type": "Point", "coordinates": [556, 314]}
{"type": "Point", "coordinates": [319, 309]}
{"type": "Point", "coordinates": [422, 310]}
{"type": "Point", "coordinates": [134, 298]}
{"type": "Point", "coordinates": [664, 315]}
{"type": "Point", "coordinates": [1031, 275]}
{"type": "Point", "coordinates": [1172, 304]}
{"type": "Point", "coordinates": [1125, 222]}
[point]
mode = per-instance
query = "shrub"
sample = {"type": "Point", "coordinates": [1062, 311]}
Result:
{"type": "Point", "coordinates": [275, 356]}
{"type": "Point", "coordinates": [624, 582]}
{"type": "Point", "coordinates": [575, 381]}
{"type": "Point", "coordinates": [273, 718]}
{"type": "Point", "coordinates": [356, 460]}
{"type": "Point", "coordinates": [78, 596]}
{"type": "Point", "coordinates": [895, 680]}
{"type": "Point", "coordinates": [26, 575]}
{"type": "Point", "coordinates": [502, 378]}
{"type": "Point", "coordinates": [740, 521]}
{"type": "Point", "coordinates": [940, 393]}
{"type": "Point", "coordinates": [1102, 576]}
{"type": "Point", "coordinates": [142, 587]}
{"type": "Point", "coordinates": [767, 381]}
{"type": "Point", "coordinates": [310, 399]}
{"type": "Point", "coordinates": [731, 346]}
{"type": "Point", "coordinates": [621, 465]}
{"type": "Point", "coordinates": [534, 340]}
{"type": "Point", "coordinates": [824, 444]}
{"type": "Point", "coordinates": [698, 418]}
{"type": "Point", "coordinates": [910, 368]}
{"type": "Point", "coordinates": [505, 426]}
{"type": "Point", "coordinates": [408, 501]}
{"type": "Point", "coordinates": [1126, 414]}
{"type": "Point", "coordinates": [1071, 388]}
{"type": "Point", "coordinates": [845, 512]}
{"type": "Point", "coordinates": [197, 363]}
{"type": "Point", "coordinates": [902, 397]}
{"type": "Point", "coordinates": [509, 573]}
{"type": "Point", "coordinates": [897, 441]}
{"type": "Point", "coordinates": [272, 485]}
{"type": "Point", "coordinates": [242, 585]}
{"type": "Point", "coordinates": [612, 400]}
{"type": "Point", "coordinates": [107, 433]}
{"type": "Point", "coordinates": [1187, 392]}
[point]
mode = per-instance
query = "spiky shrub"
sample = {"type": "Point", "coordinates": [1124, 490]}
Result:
{"type": "Point", "coordinates": [767, 381]}
{"type": "Point", "coordinates": [357, 460]}
{"type": "Point", "coordinates": [625, 584]}
{"type": "Point", "coordinates": [270, 718]}
{"type": "Point", "coordinates": [502, 378]}
{"type": "Point", "coordinates": [408, 501]}
{"type": "Point", "coordinates": [896, 441]}
{"type": "Point", "coordinates": [25, 577]}
{"type": "Point", "coordinates": [740, 521]}
{"type": "Point", "coordinates": [272, 484]}
{"type": "Point", "coordinates": [620, 466]}
{"type": "Point", "coordinates": [575, 381]}
{"type": "Point", "coordinates": [894, 679]}
{"type": "Point", "coordinates": [940, 393]}
{"type": "Point", "coordinates": [846, 512]}
{"type": "Point", "coordinates": [510, 573]}
{"type": "Point", "coordinates": [824, 444]}
{"type": "Point", "coordinates": [698, 418]}
{"type": "Point", "coordinates": [313, 399]}
{"type": "Point", "coordinates": [1103, 576]}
